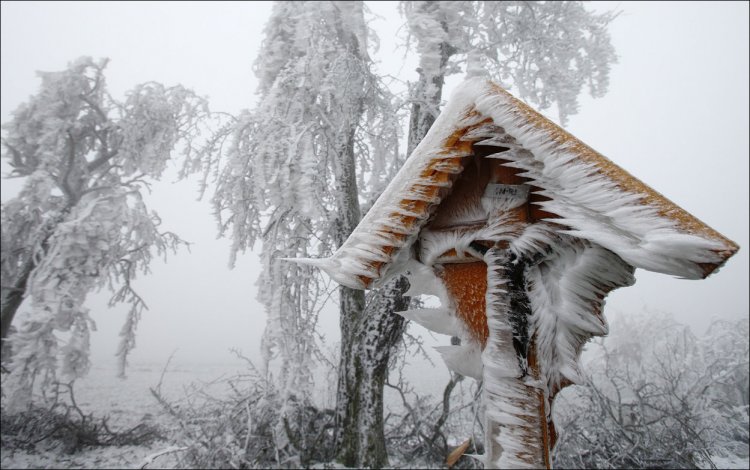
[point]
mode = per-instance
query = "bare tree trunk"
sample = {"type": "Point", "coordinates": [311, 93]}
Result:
{"type": "Point", "coordinates": [425, 108]}
{"type": "Point", "coordinates": [369, 333]}
{"type": "Point", "coordinates": [425, 104]}
{"type": "Point", "coordinates": [12, 297]}
{"type": "Point", "coordinates": [357, 437]}
{"type": "Point", "coordinates": [365, 356]}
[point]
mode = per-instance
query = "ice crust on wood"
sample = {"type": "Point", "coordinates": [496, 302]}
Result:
{"type": "Point", "coordinates": [567, 292]}
{"type": "Point", "coordinates": [608, 223]}
{"type": "Point", "coordinates": [639, 225]}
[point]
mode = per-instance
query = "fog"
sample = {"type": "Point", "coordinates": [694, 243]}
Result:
{"type": "Point", "coordinates": [676, 117]}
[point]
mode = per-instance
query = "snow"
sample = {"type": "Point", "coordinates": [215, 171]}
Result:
{"type": "Point", "coordinates": [731, 462]}
{"type": "Point", "coordinates": [439, 320]}
{"type": "Point", "coordinates": [464, 359]}
{"type": "Point", "coordinates": [96, 457]}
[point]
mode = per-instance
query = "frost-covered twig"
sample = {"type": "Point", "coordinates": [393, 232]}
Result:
{"type": "Point", "coordinates": [63, 420]}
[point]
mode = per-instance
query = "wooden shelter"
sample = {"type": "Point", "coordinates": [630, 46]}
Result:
{"type": "Point", "coordinates": [520, 230]}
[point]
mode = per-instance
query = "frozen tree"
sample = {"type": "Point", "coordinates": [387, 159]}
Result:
{"type": "Point", "coordinates": [79, 222]}
{"type": "Point", "coordinates": [545, 52]}
{"type": "Point", "coordinates": [297, 169]}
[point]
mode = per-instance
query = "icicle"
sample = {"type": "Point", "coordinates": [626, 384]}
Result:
{"type": "Point", "coordinates": [439, 320]}
{"type": "Point", "coordinates": [465, 359]}
{"type": "Point", "coordinates": [332, 267]}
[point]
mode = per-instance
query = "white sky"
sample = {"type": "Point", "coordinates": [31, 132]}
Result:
{"type": "Point", "coordinates": [676, 116]}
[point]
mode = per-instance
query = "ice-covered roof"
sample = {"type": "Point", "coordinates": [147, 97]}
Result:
{"type": "Point", "coordinates": [593, 198]}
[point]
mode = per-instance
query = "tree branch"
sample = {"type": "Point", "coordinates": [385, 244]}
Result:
{"type": "Point", "coordinates": [69, 163]}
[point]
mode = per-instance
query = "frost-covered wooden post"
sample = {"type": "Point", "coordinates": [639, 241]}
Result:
{"type": "Point", "coordinates": [520, 230]}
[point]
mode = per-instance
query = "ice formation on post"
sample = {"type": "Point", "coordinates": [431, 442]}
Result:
{"type": "Point", "coordinates": [520, 230]}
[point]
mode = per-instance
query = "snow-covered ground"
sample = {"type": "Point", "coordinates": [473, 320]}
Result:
{"type": "Point", "coordinates": [733, 462]}
{"type": "Point", "coordinates": [95, 457]}
{"type": "Point", "coordinates": [129, 401]}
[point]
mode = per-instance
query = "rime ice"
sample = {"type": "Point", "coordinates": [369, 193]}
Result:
{"type": "Point", "coordinates": [521, 230]}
